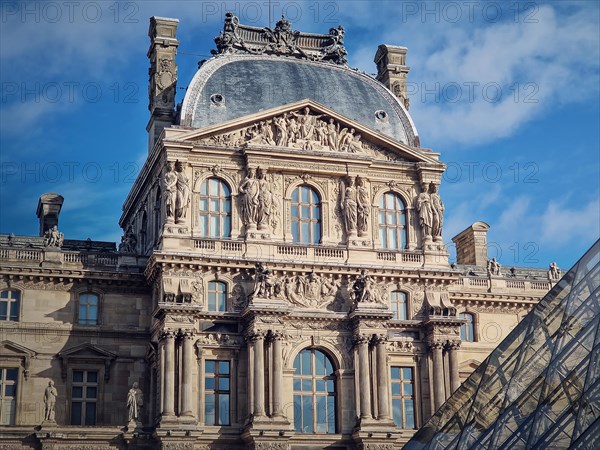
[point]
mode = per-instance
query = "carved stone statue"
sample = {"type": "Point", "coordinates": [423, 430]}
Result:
{"type": "Point", "coordinates": [128, 242]}
{"type": "Point", "coordinates": [363, 208]}
{"type": "Point", "coordinates": [336, 49]}
{"type": "Point", "coordinates": [263, 285]}
{"type": "Point", "coordinates": [249, 199]}
{"type": "Point", "coordinates": [53, 237]}
{"type": "Point", "coordinates": [425, 210]}
{"type": "Point", "coordinates": [265, 200]}
{"type": "Point", "coordinates": [437, 208]}
{"type": "Point", "coordinates": [182, 199]}
{"type": "Point", "coordinates": [135, 401]}
{"type": "Point", "coordinates": [238, 298]}
{"type": "Point", "coordinates": [349, 206]}
{"type": "Point", "coordinates": [494, 267]}
{"type": "Point", "coordinates": [554, 272]}
{"type": "Point", "coordinates": [170, 191]}
{"type": "Point", "coordinates": [50, 395]}
{"type": "Point", "coordinates": [364, 290]}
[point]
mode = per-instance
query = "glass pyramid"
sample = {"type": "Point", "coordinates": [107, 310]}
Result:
{"type": "Point", "coordinates": [540, 388]}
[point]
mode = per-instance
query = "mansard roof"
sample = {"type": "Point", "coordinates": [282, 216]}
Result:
{"type": "Point", "coordinates": [257, 69]}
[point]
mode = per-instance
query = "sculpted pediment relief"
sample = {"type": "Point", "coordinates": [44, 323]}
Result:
{"type": "Point", "coordinates": [307, 126]}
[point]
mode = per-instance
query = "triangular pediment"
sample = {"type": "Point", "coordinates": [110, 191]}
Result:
{"type": "Point", "coordinates": [87, 351]}
{"type": "Point", "coordinates": [11, 349]}
{"type": "Point", "coordinates": [311, 127]}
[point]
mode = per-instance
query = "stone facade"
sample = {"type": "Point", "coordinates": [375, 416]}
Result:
{"type": "Point", "coordinates": [281, 281]}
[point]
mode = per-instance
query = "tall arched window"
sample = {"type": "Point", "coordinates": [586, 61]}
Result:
{"type": "Point", "coordinates": [215, 209]}
{"type": "Point", "coordinates": [392, 222]}
{"type": "Point", "coordinates": [314, 393]}
{"type": "Point", "coordinates": [157, 210]}
{"type": "Point", "coordinates": [306, 216]}
{"type": "Point", "coordinates": [467, 330]}
{"type": "Point", "coordinates": [399, 305]}
{"type": "Point", "coordinates": [217, 296]}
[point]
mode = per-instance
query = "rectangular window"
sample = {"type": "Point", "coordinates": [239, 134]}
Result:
{"type": "Point", "coordinates": [403, 397]}
{"type": "Point", "coordinates": [88, 309]}
{"type": "Point", "coordinates": [10, 305]}
{"type": "Point", "coordinates": [217, 393]}
{"type": "Point", "coordinates": [8, 395]}
{"type": "Point", "coordinates": [84, 396]}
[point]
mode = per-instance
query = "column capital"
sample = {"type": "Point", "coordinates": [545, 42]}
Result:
{"type": "Point", "coordinates": [380, 339]}
{"type": "Point", "coordinates": [360, 338]}
{"type": "Point", "coordinates": [187, 334]}
{"type": "Point", "coordinates": [453, 345]}
{"type": "Point", "coordinates": [256, 335]}
{"type": "Point", "coordinates": [167, 333]}
{"type": "Point", "coordinates": [435, 345]}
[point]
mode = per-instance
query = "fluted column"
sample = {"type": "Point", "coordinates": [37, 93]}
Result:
{"type": "Point", "coordinates": [452, 348]}
{"type": "Point", "coordinates": [168, 407]}
{"type": "Point", "coordinates": [186, 375]}
{"type": "Point", "coordinates": [364, 376]}
{"type": "Point", "coordinates": [258, 340]}
{"type": "Point", "coordinates": [277, 374]}
{"type": "Point", "coordinates": [438, 374]}
{"type": "Point", "coordinates": [382, 378]}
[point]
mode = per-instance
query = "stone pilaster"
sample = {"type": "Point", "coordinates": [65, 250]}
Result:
{"type": "Point", "coordinates": [187, 379]}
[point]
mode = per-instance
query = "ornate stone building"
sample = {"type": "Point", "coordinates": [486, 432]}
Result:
{"type": "Point", "coordinates": [281, 282]}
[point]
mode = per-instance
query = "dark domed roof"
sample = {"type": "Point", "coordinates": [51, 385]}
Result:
{"type": "Point", "coordinates": [227, 87]}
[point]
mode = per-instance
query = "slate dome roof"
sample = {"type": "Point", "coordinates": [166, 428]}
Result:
{"type": "Point", "coordinates": [230, 86]}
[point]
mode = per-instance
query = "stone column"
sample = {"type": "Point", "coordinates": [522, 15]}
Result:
{"type": "Point", "coordinates": [186, 376]}
{"type": "Point", "coordinates": [168, 407]}
{"type": "Point", "coordinates": [364, 377]}
{"type": "Point", "coordinates": [438, 374]}
{"type": "Point", "coordinates": [452, 348]}
{"type": "Point", "coordinates": [277, 374]}
{"type": "Point", "coordinates": [258, 340]}
{"type": "Point", "coordinates": [382, 379]}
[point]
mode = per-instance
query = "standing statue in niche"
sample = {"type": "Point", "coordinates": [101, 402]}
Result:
{"type": "Point", "coordinates": [50, 395]}
{"type": "Point", "coordinates": [170, 190]}
{"type": "Point", "coordinates": [363, 208]}
{"type": "Point", "coordinates": [425, 210]}
{"type": "Point", "coordinates": [265, 200]}
{"type": "Point", "coordinates": [135, 401]}
{"type": "Point", "coordinates": [182, 199]}
{"type": "Point", "coordinates": [437, 208]}
{"type": "Point", "coordinates": [249, 199]}
{"type": "Point", "coordinates": [349, 206]}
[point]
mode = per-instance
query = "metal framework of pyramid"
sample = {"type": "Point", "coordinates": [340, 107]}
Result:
{"type": "Point", "coordinates": [540, 388]}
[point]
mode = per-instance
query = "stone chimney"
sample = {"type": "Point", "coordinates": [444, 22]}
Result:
{"type": "Point", "coordinates": [48, 209]}
{"type": "Point", "coordinates": [392, 71]}
{"type": "Point", "coordinates": [471, 245]}
{"type": "Point", "coordinates": [163, 76]}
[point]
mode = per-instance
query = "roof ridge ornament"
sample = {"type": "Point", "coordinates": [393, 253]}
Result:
{"type": "Point", "coordinates": [282, 40]}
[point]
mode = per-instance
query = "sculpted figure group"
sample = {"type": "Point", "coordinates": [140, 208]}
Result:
{"type": "Point", "coordinates": [354, 203]}
{"type": "Point", "coordinates": [176, 187]}
{"type": "Point", "coordinates": [256, 200]}
{"type": "Point", "coordinates": [53, 237]}
{"type": "Point", "coordinates": [364, 290]}
{"type": "Point", "coordinates": [431, 213]}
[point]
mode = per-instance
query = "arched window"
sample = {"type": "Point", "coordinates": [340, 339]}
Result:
{"type": "Point", "coordinates": [10, 305]}
{"type": "Point", "coordinates": [306, 216]}
{"type": "Point", "coordinates": [314, 393]}
{"type": "Point", "coordinates": [157, 211]}
{"type": "Point", "coordinates": [399, 305]}
{"type": "Point", "coordinates": [217, 296]}
{"type": "Point", "coordinates": [88, 309]}
{"type": "Point", "coordinates": [467, 330]}
{"type": "Point", "coordinates": [392, 222]}
{"type": "Point", "coordinates": [215, 209]}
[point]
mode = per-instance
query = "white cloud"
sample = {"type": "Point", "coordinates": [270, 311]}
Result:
{"type": "Point", "coordinates": [562, 224]}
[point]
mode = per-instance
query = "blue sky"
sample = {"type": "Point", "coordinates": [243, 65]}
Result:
{"type": "Point", "coordinates": [508, 92]}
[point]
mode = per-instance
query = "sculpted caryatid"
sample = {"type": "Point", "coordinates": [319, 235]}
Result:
{"type": "Point", "coordinates": [265, 200]}
{"type": "Point", "coordinates": [135, 401]}
{"type": "Point", "coordinates": [249, 199]}
{"type": "Point", "coordinates": [437, 213]}
{"type": "Point", "coordinates": [332, 135]}
{"type": "Point", "coordinates": [170, 190]}
{"type": "Point", "coordinates": [425, 210]}
{"type": "Point", "coordinates": [50, 395]}
{"type": "Point", "coordinates": [363, 208]}
{"type": "Point", "coordinates": [182, 198]}
{"type": "Point", "coordinates": [349, 206]}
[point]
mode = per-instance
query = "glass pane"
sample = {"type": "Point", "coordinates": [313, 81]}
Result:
{"type": "Point", "coordinates": [12, 374]}
{"type": "Point", "coordinates": [92, 314]}
{"type": "Point", "coordinates": [214, 187]}
{"type": "Point", "coordinates": [307, 414]}
{"type": "Point", "coordinates": [78, 376]}
{"type": "Point", "coordinates": [209, 409]}
{"type": "Point", "coordinates": [304, 194]}
{"type": "Point", "coordinates": [77, 392]}
{"type": "Point", "coordinates": [4, 294]}
{"type": "Point", "coordinates": [91, 392]}
{"type": "Point", "coordinates": [408, 389]}
{"type": "Point", "coordinates": [298, 413]}
{"type": "Point", "coordinates": [316, 212]}
{"type": "Point", "coordinates": [224, 409]}
{"type": "Point", "coordinates": [75, 413]}
{"type": "Point", "coordinates": [383, 238]}
{"type": "Point", "coordinates": [331, 414]}
{"type": "Point", "coordinates": [3, 311]}
{"type": "Point", "coordinates": [215, 226]}
{"type": "Point", "coordinates": [204, 226]}
{"type": "Point", "coordinates": [214, 205]}
{"type": "Point", "coordinates": [90, 414]}
{"type": "Point", "coordinates": [224, 384]}
{"type": "Point", "coordinates": [314, 198]}
{"type": "Point", "coordinates": [305, 212]}
{"type": "Point", "coordinates": [295, 232]}
{"type": "Point", "coordinates": [203, 204]}
{"type": "Point", "coordinates": [209, 383]}
{"type": "Point", "coordinates": [391, 219]}
{"type": "Point", "coordinates": [226, 226]}
{"type": "Point", "coordinates": [321, 414]}
{"type": "Point", "coordinates": [10, 390]}
{"type": "Point", "coordinates": [307, 385]}
{"type": "Point", "coordinates": [392, 239]}
{"type": "Point", "coordinates": [305, 233]}
{"type": "Point", "coordinates": [396, 389]}
{"type": "Point", "coordinates": [82, 314]}
{"type": "Point", "coordinates": [316, 237]}
{"type": "Point", "coordinates": [227, 205]}
{"type": "Point", "coordinates": [204, 188]}
{"type": "Point", "coordinates": [222, 303]}
{"type": "Point", "coordinates": [410, 414]}
{"type": "Point", "coordinates": [319, 363]}
{"type": "Point", "coordinates": [306, 362]}
{"type": "Point", "coordinates": [209, 366]}
{"type": "Point", "coordinates": [297, 384]}
{"type": "Point", "coordinates": [407, 373]}
{"type": "Point", "coordinates": [397, 411]}
{"type": "Point", "coordinates": [320, 385]}
{"type": "Point", "coordinates": [224, 367]}
{"type": "Point", "coordinates": [212, 301]}
{"type": "Point", "coordinates": [295, 196]}
{"type": "Point", "coordinates": [297, 364]}
{"type": "Point", "coordinates": [395, 373]}
{"type": "Point", "coordinates": [330, 386]}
